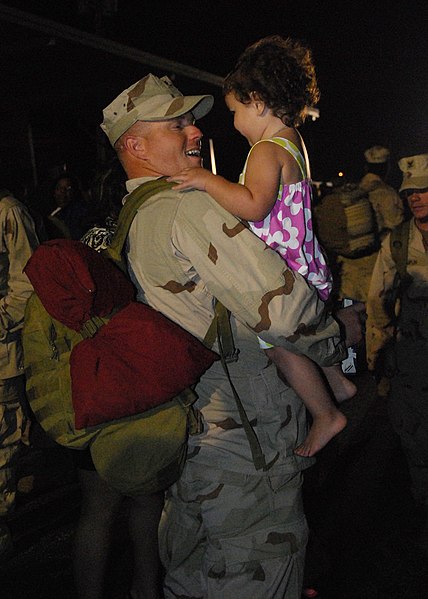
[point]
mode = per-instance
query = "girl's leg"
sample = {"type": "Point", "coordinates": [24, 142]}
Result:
{"type": "Point", "coordinates": [305, 378]}
{"type": "Point", "coordinates": [341, 386]}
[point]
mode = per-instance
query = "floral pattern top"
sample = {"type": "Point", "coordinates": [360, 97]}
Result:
{"type": "Point", "coordinates": [288, 227]}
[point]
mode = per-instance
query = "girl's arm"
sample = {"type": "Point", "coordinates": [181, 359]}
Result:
{"type": "Point", "coordinates": [252, 201]}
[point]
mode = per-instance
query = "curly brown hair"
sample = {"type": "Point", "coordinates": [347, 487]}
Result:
{"type": "Point", "coordinates": [278, 71]}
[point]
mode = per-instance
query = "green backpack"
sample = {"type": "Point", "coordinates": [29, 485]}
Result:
{"type": "Point", "coordinates": [346, 222]}
{"type": "Point", "coordinates": [135, 455]}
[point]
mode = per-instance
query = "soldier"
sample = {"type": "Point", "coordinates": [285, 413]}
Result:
{"type": "Point", "coordinates": [356, 272]}
{"type": "Point", "coordinates": [18, 239]}
{"type": "Point", "coordinates": [397, 325]}
{"type": "Point", "coordinates": [228, 529]}
{"type": "Point", "coordinates": [385, 201]}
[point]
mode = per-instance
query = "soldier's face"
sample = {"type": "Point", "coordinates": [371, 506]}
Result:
{"type": "Point", "coordinates": [173, 145]}
{"type": "Point", "coordinates": [418, 204]}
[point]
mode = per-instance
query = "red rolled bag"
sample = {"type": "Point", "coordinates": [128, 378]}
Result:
{"type": "Point", "coordinates": [131, 357]}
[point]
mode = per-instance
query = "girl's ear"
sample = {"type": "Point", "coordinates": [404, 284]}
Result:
{"type": "Point", "coordinates": [258, 104]}
{"type": "Point", "coordinates": [260, 107]}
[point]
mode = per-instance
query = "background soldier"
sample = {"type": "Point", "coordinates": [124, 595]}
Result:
{"type": "Point", "coordinates": [18, 239]}
{"type": "Point", "coordinates": [401, 272]}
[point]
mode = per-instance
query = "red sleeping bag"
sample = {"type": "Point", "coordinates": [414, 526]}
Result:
{"type": "Point", "coordinates": [138, 360]}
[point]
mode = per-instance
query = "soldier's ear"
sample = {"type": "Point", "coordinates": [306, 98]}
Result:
{"type": "Point", "coordinates": [135, 145]}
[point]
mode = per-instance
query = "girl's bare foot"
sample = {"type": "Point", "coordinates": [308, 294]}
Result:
{"type": "Point", "coordinates": [323, 429]}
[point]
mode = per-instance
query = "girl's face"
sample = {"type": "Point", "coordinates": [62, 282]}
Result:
{"type": "Point", "coordinates": [244, 117]}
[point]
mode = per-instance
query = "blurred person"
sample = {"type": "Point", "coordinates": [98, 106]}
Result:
{"type": "Point", "coordinates": [68, 212]}
{"type": "Point", "coordinates": [106, 194]}
{"type": "Point", "coordinates": [275, 196]}
{"type": "Point", "coordinates": [230, 527]}
{"type": "Point", "coordinates": [397, 324]}
{"type": "Point", "coordinates": [18, 239]}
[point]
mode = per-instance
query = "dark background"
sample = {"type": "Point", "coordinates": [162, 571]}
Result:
{"type": "Point", "coordinates": [371, 59]}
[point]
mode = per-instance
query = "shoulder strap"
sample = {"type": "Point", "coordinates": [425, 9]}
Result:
{"type": "Point", "coordinates": [220, 327]}
{"type": "Point", "coordinates": [127, 215]}
{"type": "Point", "coordinates": [399, 244]}
{"type": "Point", "coordinates": [292, 149]}
{"type": "Point", "coordinates": [305, 154]}
{"type": "Point", "coordinates": [289, 147]}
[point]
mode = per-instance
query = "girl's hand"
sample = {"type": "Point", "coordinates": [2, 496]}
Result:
{"type": "Point", "coordinates": [191, 178]}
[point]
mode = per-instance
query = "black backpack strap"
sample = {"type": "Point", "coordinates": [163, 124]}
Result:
{"type": "Point", "coordinates": [399, 246]}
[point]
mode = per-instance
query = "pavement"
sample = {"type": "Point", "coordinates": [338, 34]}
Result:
{"type": "Point", "coordinates": [365, 540]}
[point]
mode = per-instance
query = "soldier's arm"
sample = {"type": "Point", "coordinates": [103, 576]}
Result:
{"type": "Point", "coordinates": [255, 284]}
{"type": "Point", "coordinates": [390, 205]}
{"type": "Point", "coordinates": [19, 241]}
{"type": "Point", "coordinates": [379, 326]}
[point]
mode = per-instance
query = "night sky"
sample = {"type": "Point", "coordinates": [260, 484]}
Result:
{"type": "Point", "coordinates": [371, 59]}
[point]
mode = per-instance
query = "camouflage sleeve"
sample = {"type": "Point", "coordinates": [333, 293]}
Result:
{"type": "Point", "coordinates": [388, 207]}
{"type": "Point", "coordinates": [379, 327]}
{"type": "Point", "coordinates": [19, 239]}
{"type": "Point", "coordinates": [253, 281]}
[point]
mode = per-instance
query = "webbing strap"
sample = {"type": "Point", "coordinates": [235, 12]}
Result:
{"type": "Point", "coordinates": [259, 459]}
{"type": "Point", "coordinates": [220, 329]}
{"type": "Point", "coordinates": [220, 326]}
{"type": "Point", "coordinates": [92, 326]}
{"type": "Point", "coordinates": [399, 244]}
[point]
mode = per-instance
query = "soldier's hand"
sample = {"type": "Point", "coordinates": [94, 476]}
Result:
{"type": "Point", "coordinates": [352, 320]}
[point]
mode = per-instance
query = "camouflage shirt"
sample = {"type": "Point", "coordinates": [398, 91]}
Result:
{"type": "Point", "coordinates": [184, 251]}
{"type": "Point", "coordinates": [386, 203]}
{"type": "Point", "coordinates": [18, 239]}
{"type": "Point", "coordinates": [379, 326]}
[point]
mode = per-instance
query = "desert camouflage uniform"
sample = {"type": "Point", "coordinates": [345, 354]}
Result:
{"type": "Point", "coordinates": [388, 208]}
{"type": "Point", "coordinates": [229, 530]}
{"type": "Point", "coordinates": [408, 399]}
{"type": "Point", "coordinates": [17, 241]}
{"type": "Point", "coordinates": [386, 203]}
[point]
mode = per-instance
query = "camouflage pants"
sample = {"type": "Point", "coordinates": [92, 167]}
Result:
{"type": "Point", "coordinates": [12, 422]}
{"type": "Point", "coordinates": [233, 535]}
{"type": "Point", "coordinates": [408, 410]}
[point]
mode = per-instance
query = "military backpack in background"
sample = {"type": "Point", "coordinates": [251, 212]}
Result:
{"type": "Point", "coordinates": [346, 222]}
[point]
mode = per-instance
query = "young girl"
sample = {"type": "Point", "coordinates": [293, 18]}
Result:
{"type": "Point", "coordinates": [268, 91]}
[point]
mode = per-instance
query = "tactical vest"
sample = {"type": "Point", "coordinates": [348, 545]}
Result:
{"type": "Point", "coordinates": [410, 294]}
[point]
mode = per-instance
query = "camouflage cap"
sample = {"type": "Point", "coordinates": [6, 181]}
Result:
{"type": "Point", "coordinates": [415, 172]}
{"type": "Point", "coordinates": [376, 155]}
{"type": "Point", "coordinates": [150, 99]}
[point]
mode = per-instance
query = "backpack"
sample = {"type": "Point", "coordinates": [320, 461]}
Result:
{"type": "Point", "coordinates": [346, 222]}
{"type": "Point", "coordinates": [136, 452]}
